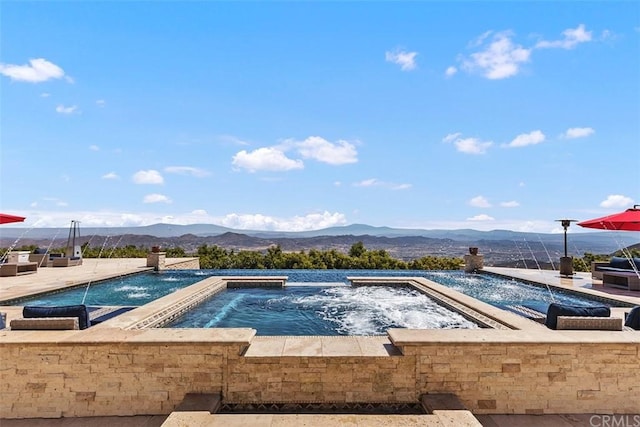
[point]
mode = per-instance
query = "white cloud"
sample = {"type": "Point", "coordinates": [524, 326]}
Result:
{"type": "Point", "coordinates": [406, 60]}
{"type": "Point", "coordinates": [187, 170]}
{"type": "Point", "coordinates": [510, 204]}
{"type": "Point", "coordinates": [45, 94]}
{"type": "Point", "coordinates": [101, 103]}
{"type": "Point", "coordinates": [49, 217]}
{"type": "Point", "coordinates": [617, 201]}
{"type": "Point", "coordinates": [467, 145]}
{"type": "Point", "coordinates": [374, 182]}
{"type": "Point", "coordinates": [199, 212]}
{"type": "Point", "coordinates": [66, 110]}
{"type": "Point", "coordinates": [479, 202]}
{"type": "Point", "coordinates": [531, 138]}
{"type": "Point", "coordinates": [94, 148]}
{"type": "Point", "coordinates": [450, 71]}
{"type": "Point", "coordinates": [451, 137]}
{"type": "Point", "coordinates": [572, 37]}
{"type": "Point", "coordinates": [607, 35]}
{"type": "Point", "coordinates": [156, 198]}
{"type": "Point", "coordinates": [37, 71]}
{"type": "Point", "coordinates": [148, 177]}
{"type": "Point", "coordinates": [499, 59]}
{"type": "Point", "coordinates": [400, 186]}
{"type": "Point", "coordinates": [317, 148]}
{"type": "Point", "coordinates": [472, 146]}
{"type": "Point", "coordinates": [366, 183]}
{"type": "Point", "coordinates": [230, 139]}
{"type": "Point", "coordinates": [572, 133]}
{"type": "Point", "coordinates": [481, 217]}
{"type": "Point", "coordinates": [110, 175]}
{"type": "Point", "coordinates": [265, 159]}
{"type": "Point", "coordinates": [56, 201]}
{"type": "Point", "coordinates": [313, 221]}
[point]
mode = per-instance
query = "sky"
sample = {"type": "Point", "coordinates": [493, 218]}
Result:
{"type": "Point", "coordinates": [296, 116]}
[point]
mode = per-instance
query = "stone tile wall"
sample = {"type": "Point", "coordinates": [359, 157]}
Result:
{"type": "Point", "coordinates": [187, 264]}
{"type": "Point", "coordinates": [322, 379]}
{"type": "Point", "coordinates": [508, 378]}
{"type": "Point", "coordinates": [48, 378]}
{"type": "Point", "coordinates": [60, 380]}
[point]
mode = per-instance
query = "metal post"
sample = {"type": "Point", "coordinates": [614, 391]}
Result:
{"type": "Point", "coordinates": [565, 225]}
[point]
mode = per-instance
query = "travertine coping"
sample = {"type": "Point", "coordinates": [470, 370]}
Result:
{"type": "Point", "coordinates": [542, 336]}
{"type": "Point", "coordinates": [437, 419]}
{"type": "Point", "coordinates": [95, 335]}
{"type": "Point", "coordinates": [316, 346]}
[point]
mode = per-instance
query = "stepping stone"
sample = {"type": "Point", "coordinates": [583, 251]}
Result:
{"type": "Point", "coordinates": [441, 401]}
{"type": "Point", "coordinates": [200, 402]}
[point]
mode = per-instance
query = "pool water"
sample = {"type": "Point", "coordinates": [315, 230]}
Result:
{"type": "Point", "coordinates": [132, 290]}
{"type": "Point", "coordinates": [505, 293]}
{"type": "Point", "coordinates": [322, 310]}
{"type": "Point", "coordinates": [141, 288]}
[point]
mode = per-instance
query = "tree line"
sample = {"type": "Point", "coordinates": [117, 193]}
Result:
{"type": "Point", "coordinates": [215, 257]}
{"type": "Point", "coordinates": [358, 257]}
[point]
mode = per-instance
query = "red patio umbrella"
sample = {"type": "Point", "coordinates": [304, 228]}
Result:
{"type": "Point", "coordinates": [628, 220]}
{"type": "Point", "coordinates": [6, 218]}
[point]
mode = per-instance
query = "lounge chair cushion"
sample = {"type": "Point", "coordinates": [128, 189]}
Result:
{"type": "Point", "coordinates": [556, 310]}
{"type": "Point", "coordinates": [619, 262]}
{"type": "Point", "coordinates": [79, 311]}
{"type": "Point", "coordinates": [633, 318]}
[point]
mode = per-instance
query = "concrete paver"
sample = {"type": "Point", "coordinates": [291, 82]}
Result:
{"type": "Point", "coordinates": [256, 420]}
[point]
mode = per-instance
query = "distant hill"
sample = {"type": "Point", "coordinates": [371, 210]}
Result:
{"type": "Point", "coordinates": [500, 247]}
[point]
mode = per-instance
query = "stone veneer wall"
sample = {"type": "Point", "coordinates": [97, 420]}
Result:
{"type": "Point", "coordinates": [538, 378]}
{"type": "Point", "coordinates": [52, 380]}
{"type": "Point", "coordinates": [187, 264]}
{"type": "Point", "coordinates": [149, 372]}
{"type": "Point", "coordinates": [160, 262]}
{"type": "Point", "coordinates": [323, 379]}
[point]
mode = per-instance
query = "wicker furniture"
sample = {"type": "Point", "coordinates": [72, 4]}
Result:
{"type": "Point", "coordinates": [18, 268]}
{"type": "Point", "coordinates": [66, 261]}
{"type": "Point", "coordinates": [629, 280]}
{"type": "Point", "coordinates": [590, 323]}
{"type": "Point", "coordinates": [45, 323]}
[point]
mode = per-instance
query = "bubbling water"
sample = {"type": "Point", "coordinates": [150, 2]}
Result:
{"type": "Point", "coordinates": [371, 310]}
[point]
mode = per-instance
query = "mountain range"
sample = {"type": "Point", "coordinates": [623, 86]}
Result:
{"type": "Point", "coordinates": [499, 247]}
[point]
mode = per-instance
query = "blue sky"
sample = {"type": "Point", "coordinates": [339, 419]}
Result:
{"type": "Point", "coordinates": [305, 115]}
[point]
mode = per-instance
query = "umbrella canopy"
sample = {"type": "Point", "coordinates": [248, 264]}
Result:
{"type": "Point", "coordinates": [6, 218]}
{"type": "Point", "coordinates": [628, 220]}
